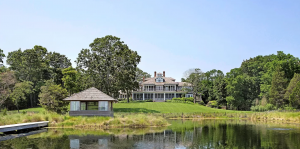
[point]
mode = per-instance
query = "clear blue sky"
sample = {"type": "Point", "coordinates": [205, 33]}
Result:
{"type": "Point", "coordinates": [170, 35]}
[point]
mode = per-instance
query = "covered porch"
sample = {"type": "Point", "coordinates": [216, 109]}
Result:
{"type": "Point", "coordinates": [156, 97]}
{"type": "Point", "coordinates": [91, 102]}
{"type": "Point", "coordinates": [91, 108]}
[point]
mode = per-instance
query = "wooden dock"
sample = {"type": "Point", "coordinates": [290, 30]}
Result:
{"type": "Point", "coordinates": [15, 127]}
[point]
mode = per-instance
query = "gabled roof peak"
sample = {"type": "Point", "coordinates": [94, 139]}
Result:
{"type": "Point", "coordinates": [90, 94]}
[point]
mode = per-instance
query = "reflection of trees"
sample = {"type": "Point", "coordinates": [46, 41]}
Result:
{"type": "Point", "coordinates": [242, 135]}
{"type": "Point", "coordinates": [36, 143]}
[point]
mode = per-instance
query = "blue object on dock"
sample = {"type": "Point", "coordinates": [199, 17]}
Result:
{"type": "Point", "coordinates": [21, 126]}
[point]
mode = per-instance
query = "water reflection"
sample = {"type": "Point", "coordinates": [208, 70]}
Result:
{"type": "Point", "coordinates": [24, 134]}
{"type": "Point", "coordinates": [180, 135]}
{"type": "Point", "coordinates": [77, 142]}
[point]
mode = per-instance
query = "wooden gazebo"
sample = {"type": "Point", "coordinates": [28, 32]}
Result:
{"type": "Point", "coordinates": [91, 102]}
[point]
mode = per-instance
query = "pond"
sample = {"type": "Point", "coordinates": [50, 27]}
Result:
{"type": "Point", "coordinates": [180, 135]}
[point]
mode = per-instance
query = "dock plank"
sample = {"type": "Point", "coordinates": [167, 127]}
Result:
{"type": "Point", "coordinates": [21, 126]}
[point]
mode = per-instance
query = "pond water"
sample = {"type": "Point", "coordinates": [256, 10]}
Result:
{"type": "Point", "coordinates": [180, 135]}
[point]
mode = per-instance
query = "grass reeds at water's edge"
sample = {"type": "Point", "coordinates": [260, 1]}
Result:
{"type": "Point", "coordinates": [65, 121]}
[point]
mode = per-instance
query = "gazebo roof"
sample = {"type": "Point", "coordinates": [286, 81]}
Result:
{"type": "Point", "coordinates": [91, 94]}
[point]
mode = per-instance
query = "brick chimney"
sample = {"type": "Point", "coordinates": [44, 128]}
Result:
{"type": "Point", "coordinates": [164, 74]}
{"type": "Point", "coordinates": [144, 79]}
{"type": "Point", "coordinates": [154, 73]}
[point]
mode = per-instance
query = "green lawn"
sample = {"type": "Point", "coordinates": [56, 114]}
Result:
{"type": "Point", "coordinates": [156, 107]}
{"type": "Point", "coordinates": [33, 110]}
{"type": "Point", "coordinates": [167, 107]}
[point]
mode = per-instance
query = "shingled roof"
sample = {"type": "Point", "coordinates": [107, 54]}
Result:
{"type": "Point", "coordinates": [91, 94]}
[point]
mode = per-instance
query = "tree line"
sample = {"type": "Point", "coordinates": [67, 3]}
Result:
{"type": "Point", "coordinates": [260, 83]}
{"type": "Point", "coordinates": [39, 77]}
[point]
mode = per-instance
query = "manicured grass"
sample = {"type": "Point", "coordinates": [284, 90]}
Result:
{"type": "Point", "coordinates": [167, 107]}
{"type": "Point", "coordinates": [156, 107]}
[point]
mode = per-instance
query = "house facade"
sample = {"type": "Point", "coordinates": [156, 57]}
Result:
{"type": "Point", "coordinates": [161, 88]}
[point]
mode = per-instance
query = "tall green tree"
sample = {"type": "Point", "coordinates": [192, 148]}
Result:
{"type": "Point", "coordinates": [2, 55]}
{"type": "Point", "coordinates": [51, 97]}
{"type": "Point", "coordinates": [278, 87]}
{"type": "Point", "coordinates": [7, 82]}
{"type": "Point", "coordinates": [70, 80]}
{"type": "Point", "coordinates": [84, 80]}
{"type": "Point", "coordinates": [258, 72]}
{"type": "Point", "coordinates": [195, 79]}
{"type": "Point", "coordinates": [212, 81]}
{"type": "Point", "coordinates": [240, 92]}
{"type": "Point", "coordinates": [127, 71]}
{"type": "Point", "coordinates": [30, 65]}
{"type": "Point", "coordinates": [219, 88]}
{"type": "Point", "coordinates": [105, 62]}
{"type": "Point", "coordinates": [57, 62]}
{"type": "Point", "coordinates": [294, 97]}
{"type": "Point", "coordinates": [292, 85]}
{"type": "Point", "coordinates": [20, 92]}
{"type": "Point", "coordinates": [140, 74]}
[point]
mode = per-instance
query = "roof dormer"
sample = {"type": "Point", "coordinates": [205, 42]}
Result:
{"type": "Point", "coordinates": [159, 78]}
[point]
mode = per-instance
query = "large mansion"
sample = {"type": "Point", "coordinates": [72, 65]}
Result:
{"type": "Point", "coordinates": [160, 88]}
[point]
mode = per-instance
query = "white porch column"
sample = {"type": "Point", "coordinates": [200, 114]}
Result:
{"type": "Point", "coordinates": [132, 96]}
{"type": "Point", "coordinates": [143, 96]}
{"type": "Point", "coordinates": [174, 95]}
{"type": "Point", "coordinates": [175, 137]}
{"type": "Point", "coordinates": [164, 96]}
{"type": "Point", "coordinates": [175, 87]}
{"type": "Point", "coordinates": [153, 96]}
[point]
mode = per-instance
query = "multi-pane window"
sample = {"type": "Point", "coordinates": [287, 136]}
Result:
{"type": "Point", "coordinates": [82, 105]}
{"type": "Point", "coordinates": [159, 88]}
{"type": "Point", "coordinates": [189, 95]}
{"type": "Point", "coordinates": [75, 106]}
{"type": "Point", "coordinates": [179, 88]}
{"type": "Point", "coordinates": [159, 80]}
{"type": "Point", "coordinates": [103, 105]}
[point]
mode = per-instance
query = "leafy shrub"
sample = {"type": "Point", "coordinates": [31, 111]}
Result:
{"type": "Point", "coordinates": [124, 100]}
{"type": "Point", "coordinates": [289, 108]}
{"type": "Point", "coordinates": [258, 108]}
{"type": "Point", "coordinates": [212, 104]}
{"type": "Point", "coordinates": [202, 103]}
{"type": "Point", "coordinates": [261, 108]}
{"type": "Point", "coordinates": [149, 100]}
{"type": "Point", "coordinates": [4, 112]}
{"type": "Point", "coordinates": [270, 107]}
{"type": "Point", "coordinates": [182, 100]}
{"type": "Point", "coordinates": [51, 98]}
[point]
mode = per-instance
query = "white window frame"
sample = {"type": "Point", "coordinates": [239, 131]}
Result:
{"type": "Point", "coordinates": [104, 104]}
{"type": "Point", "coordinates": [75, 106]}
